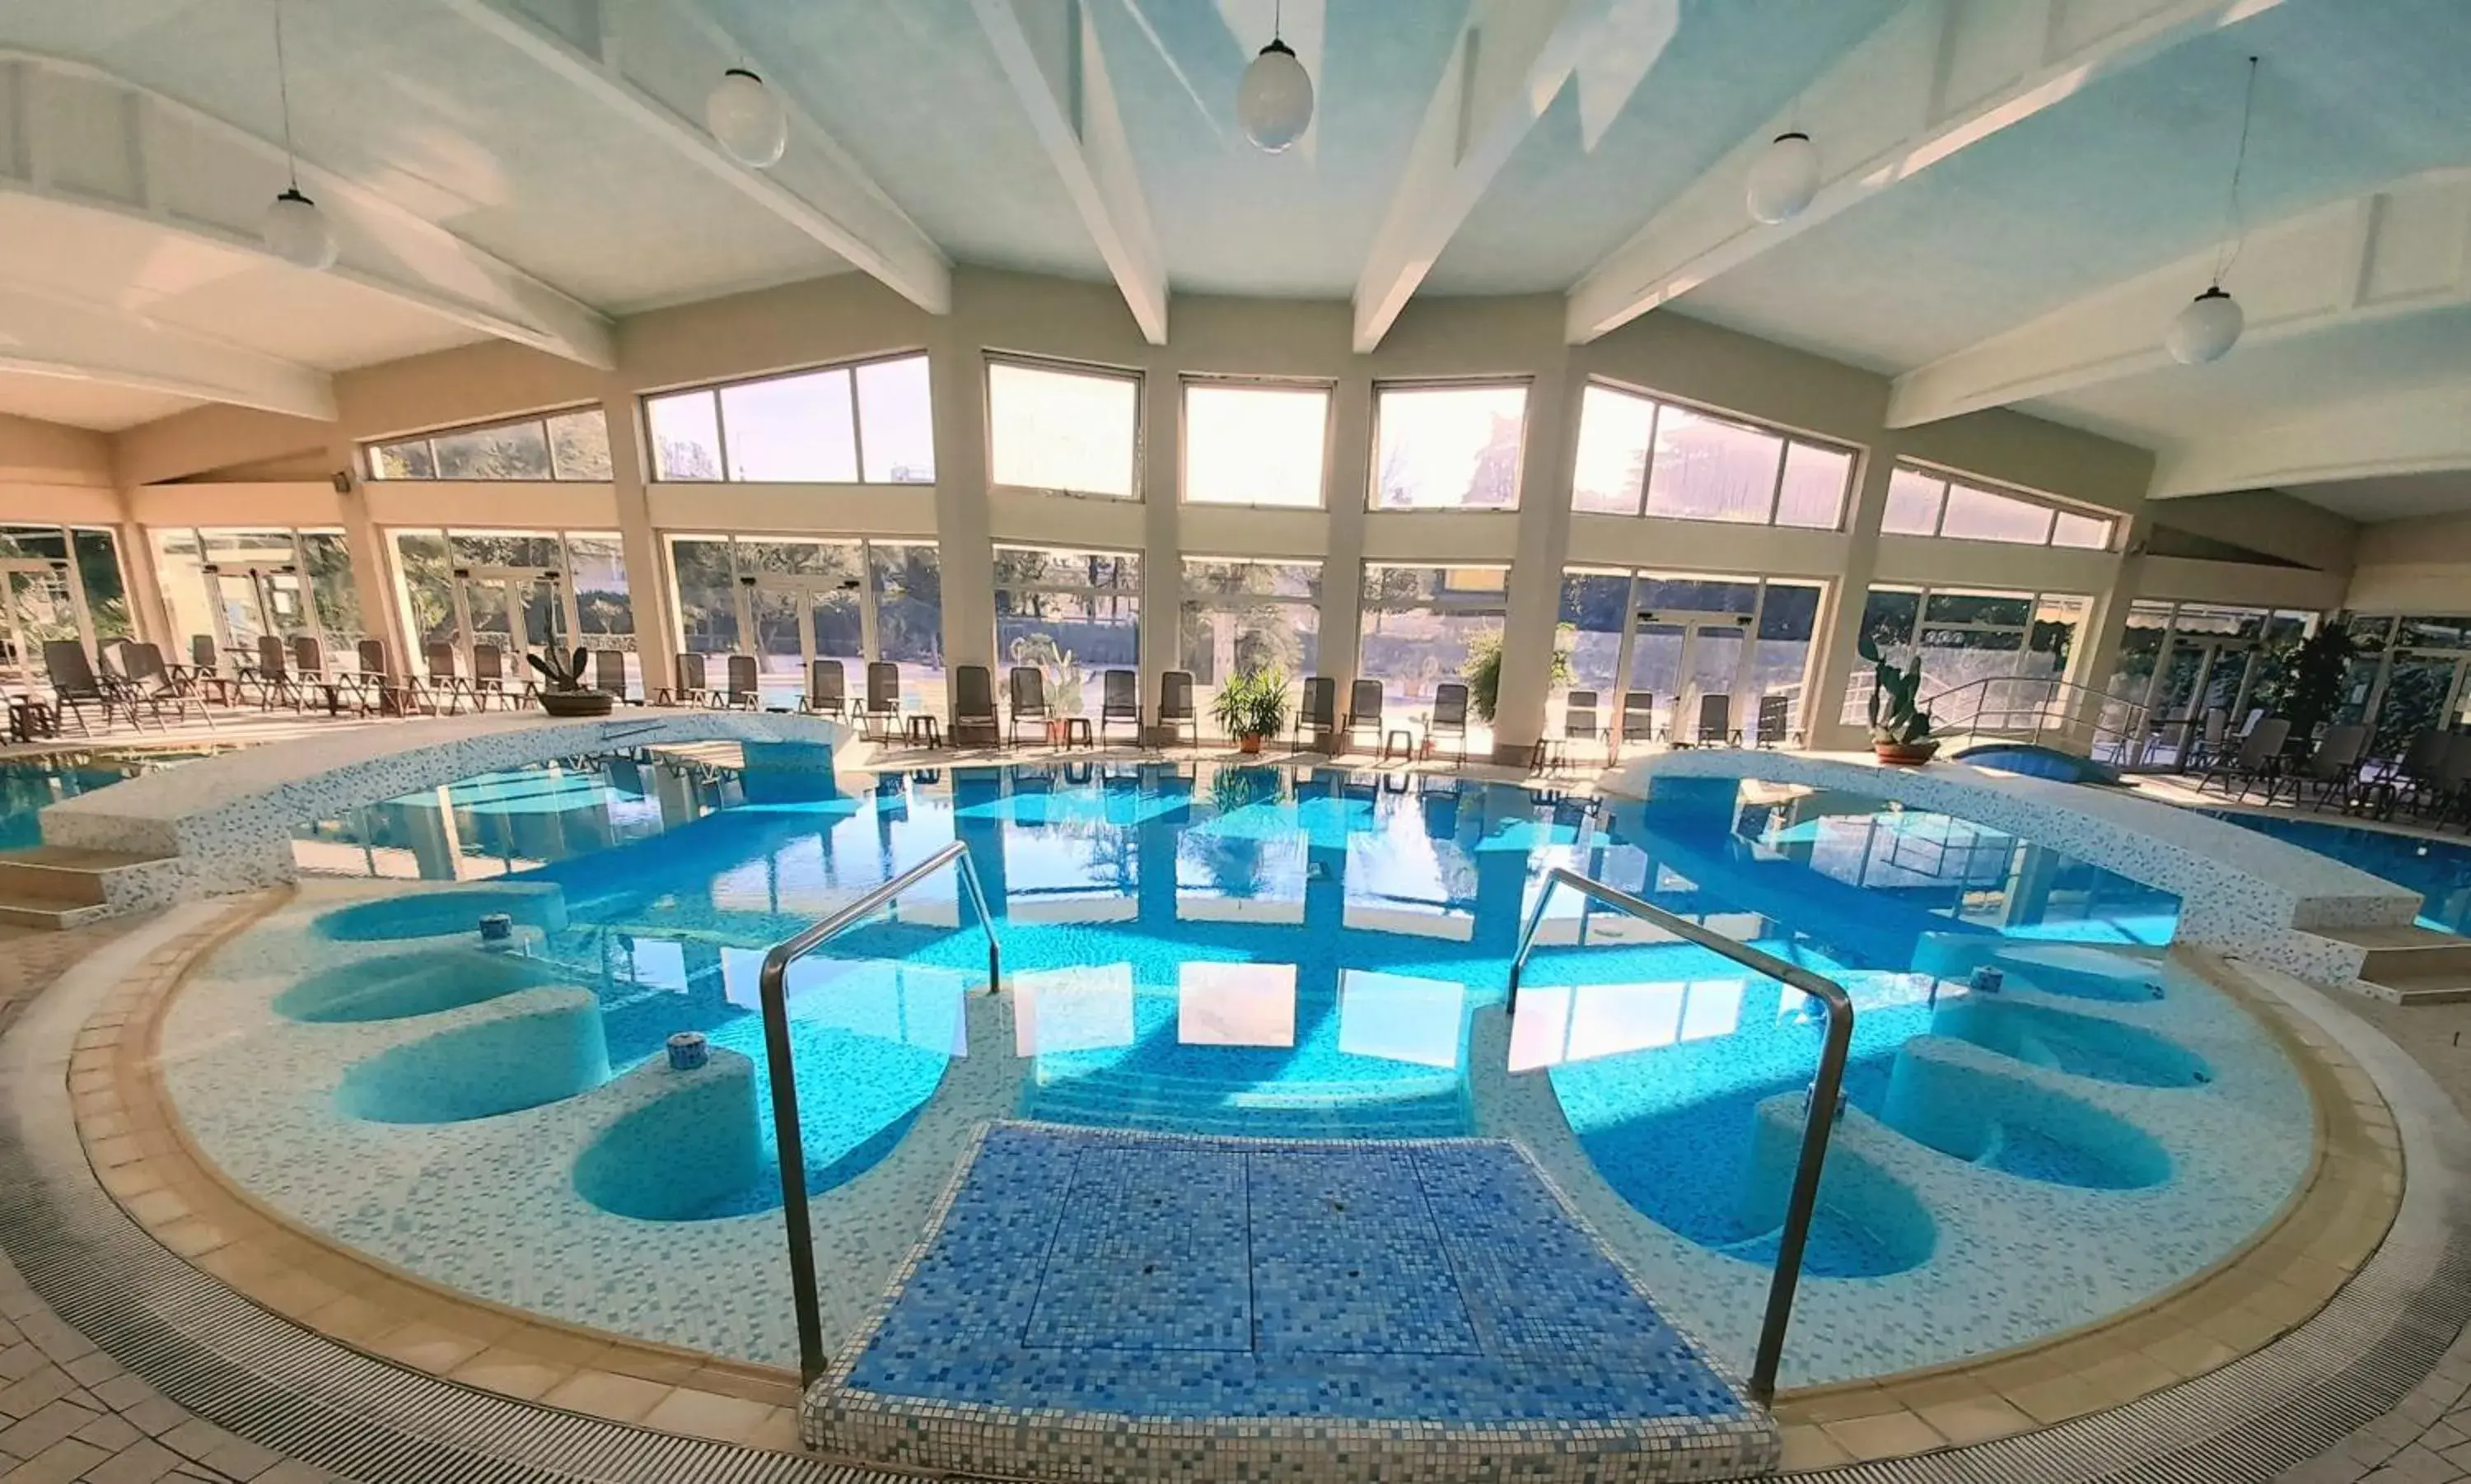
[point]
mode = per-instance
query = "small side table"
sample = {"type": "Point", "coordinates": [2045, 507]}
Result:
{"type": "Point", "coordinates": [1403, 739]}
{"type": "Point", "coordinates": [926, 732]}
{"type": "Point", "coordinates": [1077, 734]}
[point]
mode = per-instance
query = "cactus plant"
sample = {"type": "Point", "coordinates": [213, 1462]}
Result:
{"type": "Point", "coordinates": [564, 676]}
{"type": "Point", "coordinates": [1901, 730]}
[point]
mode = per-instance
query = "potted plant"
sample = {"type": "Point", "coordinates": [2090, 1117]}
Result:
{"type": "Point", "coordinates": [565, 693]}
{"type": "Point", "coordinates": [1252, 705]}
{"type": "Point", "coordinates": [1901, 730]}
{"type": "Point", "coordinates": [1482, 672]}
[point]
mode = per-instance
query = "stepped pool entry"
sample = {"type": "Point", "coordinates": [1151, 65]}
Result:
{"type": "Point", "coordinates": [1290, 978]}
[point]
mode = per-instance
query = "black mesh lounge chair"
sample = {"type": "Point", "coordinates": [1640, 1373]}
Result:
{"type": "Point", "coordinates": [489, 678]}
{"type": "Point", "coordinates": [745, 685]}
{"type": "Point", "coordinates": [274, 679]}
{"type": "Point", "coordinates": [2421, 766]}
{"type": "Point", "coordinates": [1776, 721]}
{"type": "Point", "coordinates": [1319, 711]}
{"type": "Point", "coordinates": [74, 684]}
{"type": "Point", "coordinates": [1637, 718]}
{"type": "Point", "coordinates": [149, 683]}
{"type": "Point", "coordinates": [442, 680]}
{"type": "Point", "coordinates": [1028, 687]}
{"type": "Point", "coordinates": [693, 686]}
{"type": "Point", "coordinates": [2213, 735]}
{"type": "Point", "coordinates": [1119, 702]}
{"type": "Point", "coordinates": [1175, 705]}
{"type": "Point", "coordinates": [1580, 720]}
{"type": "Point", "coordinates": [827, 690]}
{"type": "Point", "coordinates": [1363, 710]}
{"type": "Point", "coordinates": [1715, 727]}
{"type": "Point", "coordinates": [609, 673]}
{"type": "Point", "coordinates": [884, 696]}
{"type": "Point", "coordinates": [2329, 773]}
{"type": "Point", "coordinates": [2257, 760]}
{"type": "Point", "coordinates": [377, 682]}
{"type": "Point", "coordinates": [973, 702]}
{"type": "Point", "coordinates": [1449, 715]}
{"type": "Point", "coordinates": [204, 671]}
{"type": "Point", "coordinates": [2452, 792]}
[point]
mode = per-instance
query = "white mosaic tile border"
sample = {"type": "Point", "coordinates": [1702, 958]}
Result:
{"type": "Point", "coordinates": [225, 823]}
{"type": "Point", "coordinates": [2240, 892]}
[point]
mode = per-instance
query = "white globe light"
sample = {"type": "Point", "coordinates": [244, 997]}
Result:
{"type": "Point", "coordinates": [2206, 329]}
{"type": "Point", "coordinates": [1275, 101]}
{"type": "Point", "coordinates": [747, 119]}
{"type": "Point", "coordinates": [298, 234]}
{"type": "Point", "coordinates": [1784, 180]}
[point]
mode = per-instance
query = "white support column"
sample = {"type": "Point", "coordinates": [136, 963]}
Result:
{"type": "Point", "coordinates": [373, 570]}
{"type": "Point", "coordinates": [1840, 617]}
{"type": "Point", "coordinates": [965, 551]}
{"type": "Point", "coordinates": [146, 606]}
{"type": "Point", "coordinates": [648, 591]}
{"type": "Point", "coordinates": [1543, 540]}
{"type": "Point", "coordinates": [1162, 528]}
{"type": "Point", "coordinates": [1344, 489]}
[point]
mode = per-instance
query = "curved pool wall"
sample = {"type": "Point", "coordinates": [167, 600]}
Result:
{"type": "Point", "coordinates": [225, 823]}
{"type": "Point", "coordinates": [2240, 893]}
{"type": "Point", "coordinates": [30, 785]}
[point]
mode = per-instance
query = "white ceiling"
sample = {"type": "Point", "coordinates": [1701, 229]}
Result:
{"type": "Point", "coordinates": [552, 188]}
{"type": "Point", "coordinates": [2393, 497]}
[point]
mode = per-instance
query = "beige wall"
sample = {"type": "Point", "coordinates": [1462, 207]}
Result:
{"type": "Point", "coordinates": [849, 316]}
{"type": "Point", "coordinates": [2413, 566]}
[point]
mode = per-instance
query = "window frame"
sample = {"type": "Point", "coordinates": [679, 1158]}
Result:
{"type": "Point", "coordinates": [1949, 480]}
{"type": "Point", "coordinates": [1788, 439]}
{"type": "Point", "coordinates": [1186, 383]}
{"type": "Point", "coordinates": [370, 449]}
{"type": "Point", "coordinates": [1525, 385]}
{"type": "Point", "coordinates": [721, 423]}
{"type": "Point", "coordinates": [1096, 371]}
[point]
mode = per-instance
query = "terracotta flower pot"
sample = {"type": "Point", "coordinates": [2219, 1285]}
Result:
{"type": "Point", "coordinates": [1249, 744]}
{"type": "Point", "coordinates": [1906, 754]}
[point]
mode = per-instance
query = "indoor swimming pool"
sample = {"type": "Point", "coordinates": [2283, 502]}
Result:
{"type": "Point", "coordinates": [31, 785]}
{"type": "Point", "coordinates": [2438, 869]}
{"type": "Point", "coordinates": [2044, 1121]}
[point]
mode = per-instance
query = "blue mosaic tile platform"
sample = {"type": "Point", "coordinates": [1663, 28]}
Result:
{"type": "Point", "coordinates": [1100, 1305]}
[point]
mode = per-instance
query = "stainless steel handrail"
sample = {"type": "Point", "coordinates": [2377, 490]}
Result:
{"type": "Point", "coordinates": [2130, 729]}
{"type": "Point", "coordinates": [1823, 1092]}
{"type": "Point", "coordinates": [775, 983]}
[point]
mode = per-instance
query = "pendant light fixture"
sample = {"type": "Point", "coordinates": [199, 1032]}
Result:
{"type": "Point", "coordinates": [295, 230]}
{"type": "Point", "coordinates": [747, 119]}
{"type": "Point", "coordinates": [2210, 324]}
{"type": "Point", "coordinates": [1275, 101]}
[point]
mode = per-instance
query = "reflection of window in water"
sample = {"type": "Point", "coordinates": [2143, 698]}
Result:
{"type": "Point", "coordinates": [1411, 885]}
{"type": "Point", "coordinates": [1562, 1023]}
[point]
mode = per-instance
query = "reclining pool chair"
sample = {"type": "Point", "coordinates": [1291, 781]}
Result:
{"type": "Point", "coordinates": [1449, 715]}
{"type": "Point", "coordinates": [1363, 710]}
{"type": "Point", "coordinates": [1175, 705]}
{"type": "Point", "coordinates": [973, 702]}
{"type": "Point", "coordinates": [1318, 712]}
{"type": "Point", "coordinates": [1119, 702]}
{"type": "Point", "coordinates": [827, 690]}
{"type": "Point", "coordinates": [1027, 686]}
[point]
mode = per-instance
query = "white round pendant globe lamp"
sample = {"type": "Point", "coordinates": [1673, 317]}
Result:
{"type": "Point", "coordinates": [1785, 178]}
{"type": "Point", "coordinates": [2206, 329]}
{"type": "Point", "coordinates": [747, 119]}
{"type": "Point", "coordinates": [1275, 101]}
{"type": "Point", "coordinates": [296, 232]}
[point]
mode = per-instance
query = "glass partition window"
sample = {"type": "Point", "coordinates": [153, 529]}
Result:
{"type": "Point", "coordinates": [1639, 455]}
{"type": "Point", "coordinates": [1071, 432]}
{"type": "Point", "coordinates": [229, 587]}
{"type": "Point", "coordinates": [1241, 615]}
{"type": "Point", "coordinates": [1967, 637]}
{"type": "Point", "coordinates": [1254, 444]}
{"type": "Point", "coordinates": [2411, 671]}
{"type": "Point", "coordinates": [1680, 638]}
{"type": "Point", "coordinates": [869, 423]}
{"type": "Point", "coordinates": [1448, 448]}
{"type": "Point", "coordinates": [56, 583]}
{"type": "Point", "coordinates": [564, 446]}
{"type": "Point", "coordinates": [2180, 664]}
{"type": "Point", "coordinates": [524, 591]}
{"type": "Point", "coordinates": [791, 601]}
{"type": "Point", "coordinates": [1071, 616]}
{"type": "Point", "coordinates": [1925, 502]}
{"type": "Point", "coordinates": [1423, 625]}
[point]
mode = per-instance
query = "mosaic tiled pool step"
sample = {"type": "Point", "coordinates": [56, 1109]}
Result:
{"type": "Point", "coordinates": [1194, 1105]}
{"type": "Point", "coordinates": [1100, 1305]}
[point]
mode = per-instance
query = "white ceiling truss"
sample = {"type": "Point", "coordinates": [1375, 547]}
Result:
{"type": "Point", "coordinates": [60, 336]}
{"type": "Point", "coordinates": [2402, 249]}
{"type": "Point", "coordinates": [1050, 52]}
{"type": "Point", "coordinates": [1511, 61]}
{"type": "Point", "coordinates": [2423, 432]}
{"type": "Point", "coordinates": [1968, 70]}
{"type": "Point", "coordinates": [82, 139]}
{"type": "Point", "coordinates": [652, 61]}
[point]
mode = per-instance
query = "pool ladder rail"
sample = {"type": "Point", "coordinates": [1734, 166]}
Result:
{"type": "Point", "coordinates": [782, 1070]}
{"type": "Point", "coordinates": [1822, 1100]}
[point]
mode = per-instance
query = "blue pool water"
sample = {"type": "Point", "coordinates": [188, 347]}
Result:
{"type": "Point", "coordinates": [28, 788]}
{"type": "Point", "coordinates": [1261, 951]}
{"type": "Point", "coordinates": [2440, 870]}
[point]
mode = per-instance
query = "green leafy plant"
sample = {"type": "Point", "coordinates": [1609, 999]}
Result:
{"type": "Point", "coordinates": [1896, 717]}
{"type": "Point", "coordinates": [1252, 703]}
{"type": "Point", "coordinates": [564, 675]}
{"type": "Point", "coordinates": [1062, 673]}
{"type": "Point", "coordinates": [2316, 682]}
{"type": "Point", "coordinates": [1482, 673]}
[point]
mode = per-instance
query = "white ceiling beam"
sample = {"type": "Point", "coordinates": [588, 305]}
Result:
{"type": "Point", "coordinates": [2402, 250]}
{"type": "Point", "coordinates": [46, 333]}
{"type": "Point", "coordinates": [2423, 431]}
{"type": "Point", "coordinates": [96, 141]}
{"type": "Point", "coordinates": [650, 64]}
{"type": "Point", "coordinates": [1048, 49]}
{"type": "Point", "coordinates": [1510, 61]}
{"type": "Point", "coordinates": [1939, 76]}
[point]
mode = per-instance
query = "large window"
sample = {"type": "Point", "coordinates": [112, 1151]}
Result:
{"type": "Point", "coordinates": [232, 586]}
{"type": "Point", "coordinates": [2177, 662]}
{"type": "Point", "coordinates": [1073, 432]}
{"type": "Point", "coordinates": [791, 601]}
{"type": "Point", "coordinates": [1926, 502]}
{"type": "Point", "coordinates": [1640, 456]}
{"type": "Point", "coordinates": [1247, 444]}
{"type": "Point", "coordinates": [871, 423]}
{"type": "Point", "coordinates": [560, 446]}
{"type": "Point", "coordinates": [519, 591]}
{"type": "Point", "coordinates": [1680, 637]}
{"type": "Point", "coordinates": [1966, 638]}
{"type": "Point", "coordinates": [1426, 625]}
{"type": "Point", "coordinates": [2410, 673]}
{"type": "Point", "coordinates": [1249, 615]}
{"type": "Point", "coordinates": [57, 584]}
{"type": "Point", "coordinates": [1448, 447]}
{"type": "Point", "coordinates": [1070, 614]}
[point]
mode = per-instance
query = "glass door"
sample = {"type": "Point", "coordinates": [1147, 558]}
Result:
{"type": "Point", "coordinates": [38, 606]}
{"type": "Point", "coordinates": [1712, 666]}
{"type": "Point", "coordinates": [1655, 661]}
{"type": "Point", "coordinates": [784, 637]}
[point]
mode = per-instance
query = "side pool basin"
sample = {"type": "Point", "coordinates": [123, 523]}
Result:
{"type": "Point", "coordinates": [547, 1045]}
